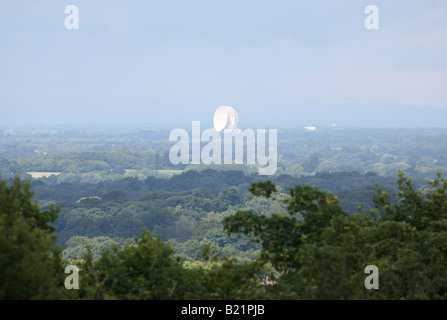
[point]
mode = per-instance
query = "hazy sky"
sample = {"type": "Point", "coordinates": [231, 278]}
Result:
{"type": "Point", "coordinates": [157, 61]}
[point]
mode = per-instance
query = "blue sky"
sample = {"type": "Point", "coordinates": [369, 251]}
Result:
{"type": "Point", "coordinates": [171, 61]}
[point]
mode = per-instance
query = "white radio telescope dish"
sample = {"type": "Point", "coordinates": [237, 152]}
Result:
{"type": "Point", "coordinates": [226, 118]}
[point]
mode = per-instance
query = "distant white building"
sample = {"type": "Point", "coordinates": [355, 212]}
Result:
{"type": "Point", "coordinates": [310, 128]}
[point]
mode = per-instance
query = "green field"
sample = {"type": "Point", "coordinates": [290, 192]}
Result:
{"type": "Point", "coordinates": [42, 174]}
{"type": "Point", "coordinates": [155, 173]}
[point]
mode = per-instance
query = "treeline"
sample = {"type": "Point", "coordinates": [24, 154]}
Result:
{"type": "Point", "coordinates": [417, 151]}
{"type": "Point", "coordinates": [186, 210]}
{"type": "Point", "coordinates": [212, 180]}
{"type": "Point", "coordinates": [80, 157]}
{"type": "Point", "coordinates": [309, 245]}
{"type": "Point", "coordinates": [90, 166]}
{"type": "Point", "coordinates": [21, 143]}
{"type": "Point", "coordinates": [188, 219]}
{"type": "Point", "coordinates": [87, 161]}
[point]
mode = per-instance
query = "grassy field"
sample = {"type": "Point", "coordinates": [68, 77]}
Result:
{"type": "Point", "coordinates": [155, 173]}
{"type": "Point", "coordinates": [41, 174]}
{"type": "Point", "coordinates": [169, 172]}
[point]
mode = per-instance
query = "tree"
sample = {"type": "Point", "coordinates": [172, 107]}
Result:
{"type": "Point", "coordinates": [115, 195]}
{"type": "Point", "coordinates": [308, 212]}
{"type": "Point", "coordinates": [29, 260]}
{"type": "Point", "coordinates": [321, 252]}
{"type": "Point", "coordinates": [229, 195]}
{"type": "Point", "coordinates": [147, 270]}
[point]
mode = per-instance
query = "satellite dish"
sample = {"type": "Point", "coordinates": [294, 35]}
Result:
{"type": "Point", "coordinates": [226, 118]}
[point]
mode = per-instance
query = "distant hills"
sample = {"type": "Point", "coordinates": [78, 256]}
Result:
{"type": "Point", "coordinates": [362, 115]}
{"type": "Point", "coordinates": [348, 115]}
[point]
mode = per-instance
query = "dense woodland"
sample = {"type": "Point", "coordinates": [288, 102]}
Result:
{"type": "Point", "coordinates": [110, 202]}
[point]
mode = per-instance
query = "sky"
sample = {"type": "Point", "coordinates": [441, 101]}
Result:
{"type": "Point", "coordinates": [177, 61]}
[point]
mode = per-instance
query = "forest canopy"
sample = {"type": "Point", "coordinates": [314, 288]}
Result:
{"type": "Point", "coordinates": [309, 245]}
